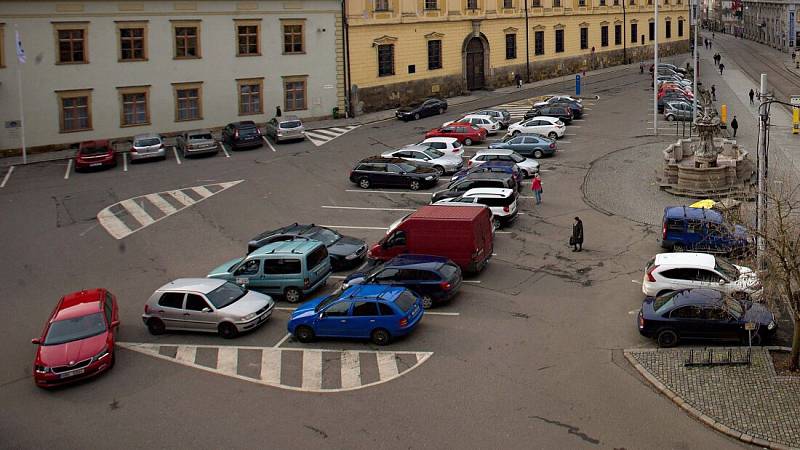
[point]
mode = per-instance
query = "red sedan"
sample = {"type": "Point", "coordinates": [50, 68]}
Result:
{"type": "Point", "coordinates": [466, 133]}
{"type": "Point", "coordinates": [78, 340]}
{"type": "Point", "coordinates": [95, 154]}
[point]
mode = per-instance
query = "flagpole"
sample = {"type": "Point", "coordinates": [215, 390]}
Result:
{"type": "Point", "coordinates": [20, 62]}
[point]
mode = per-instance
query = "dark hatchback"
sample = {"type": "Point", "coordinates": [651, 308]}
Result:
{"type": "Point", "coordinates": [429, 107]}
{"type": "Point", "coordinates": [393, 172]}
{"type": "Point", "coordinates": [241, 135]}
{"type": "Point", "coordinates": [502, 180]}
{"type": "Point", "coordinates": [433, 278]}
{"type": "Point", "coordinates": [345, 251]}
{"type": "Point", "coordinates": [492, 166]}
{"type": "Point", "coordinates": [558, 111]}
{"type": "Point", "coordinates": [703, 314]}
{"type": "Point", "coordinates": [575, 107]}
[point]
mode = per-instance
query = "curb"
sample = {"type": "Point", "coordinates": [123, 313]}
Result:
{"type": "Point", "coordinates": [697, 414]}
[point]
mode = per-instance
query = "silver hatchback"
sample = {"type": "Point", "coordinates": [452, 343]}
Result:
{"type": "Point", "coordinates": [197, 142]}
{"type": "Point", "coordinates": [286, 128]}
{"type": "Point", "coordinates": [206, 305]}
{"type": "Point", "coordinates": [146, 146]}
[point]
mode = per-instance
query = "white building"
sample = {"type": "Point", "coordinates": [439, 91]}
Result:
{"type": "Point", "coordinates": [772, 22]}
{"type": "Point", "coordinates": [98, 69]}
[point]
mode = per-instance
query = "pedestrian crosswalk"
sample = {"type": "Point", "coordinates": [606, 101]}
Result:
{"type": "Point", "coordinates": [310, 370]}
{"type": "Point", "coordinates": [321, 136]}
{"type": "Point", "coordinates": [518, 108]}
{"type": "Point", "coordinates": [131, 215]}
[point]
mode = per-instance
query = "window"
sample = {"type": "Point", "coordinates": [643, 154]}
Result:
{"type": "Point", "coordinates": [634, 32]}
{"type": "Point", "coordinates": [686, 312]}
{"type": "Point", "coordinates": [556, 3]}
{"type": "Point", "coordinates": [581, 2]}
{"type": "Point", "coordinates": [559, 41]}
{"type": "Point", "coordinates": [604, 36]}
{"type": "Point", "coordinates": [75, 110]}
{"type": "Point", "coordinates": [387, 276]}
{"type": "Point", "coordinates": [71, 42]}
{"type": "Point", "coordinates": [602, 2]}
{"type": "Point", "coordinates": [132, 41]}
{"type": "Point", "coordinates": [381, 5]}
{"type": "Point", "coordinates": [134, 102]}
{"type": "Point", "coordinates": [385, 309]}
{"type": "Point", "coordinates": [282, 266]}
{"type": "Point", "coordinates": [108, 306]}
{"type": "Point", "coordinates": [247, 37]}
{"type": "Point", "coordinates": [668, 28]}
{"type": "Point", "coordinates": [694, 226]}
{"type": "Point", "coordinates": [680, 27]}
{"type": "Point", "coordinates": [294, 94]}
{"type": "Point", "coordinates": [338, 309]}
{"type": "Point", "coordinates": [652, 30]}
{"type": "Point", "coordinates": [293, 37]}
{"type": "Point", "coordinates": [249, 268]}
{"type": "Point", "coordinates": [195, 303]}
{"type": "Point", "coordinates": [584, 38]}
{"type": "Point", "coordinates": [472, 4]}
{"type": "Point", "coordinates": [538, 42]}
{"type": "Point", "coordinates": [251, 101]}
{"type": "Point", "coordinates": [434, 54]}
{"type": "Point", "coordinates": [316, 257]}
{"type": "Point", "coordinates": [187, 40]}
{"type": "Point", "coordinates": [508, 4]}
{"type": "Point", "coordinates": [365, 309]}
{"type": "Point", "coordinates": [511, 46]}
{"type": "Point", "coordinates": [431, 4]}
{"type": "Point", "coordinates": [616, 2]}
{"type": "Point", "coordinates": [188, 101]}
{"type": "Point", "coordinates": [537, 4]}
{"type": "Point", "coordinates": [617, 34]}
{"type": "Point", "coordinates": [171, 300]}
{"type": "Point", "coordinates": [385, 60]}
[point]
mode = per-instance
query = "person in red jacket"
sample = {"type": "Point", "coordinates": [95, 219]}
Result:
{"type": "Point", "coordinates": [537, 189]}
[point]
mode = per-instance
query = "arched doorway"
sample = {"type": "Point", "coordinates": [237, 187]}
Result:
{"type": "Point", "coordinates": [475, 64]}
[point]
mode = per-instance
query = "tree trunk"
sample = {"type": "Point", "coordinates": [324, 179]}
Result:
{"type": "Point", "coordinates": [795, 356]}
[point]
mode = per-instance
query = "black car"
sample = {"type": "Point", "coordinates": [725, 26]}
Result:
{"type": "Point", "coordinates": [457, 188]}
{"type": "Point", "coordinates": [393, 172]}
{"type": "Point", "coordinates": [240, 135]}
{"type": "Point", "coordinates": [574, 106]}
{"type": "Point", "coordinates": [557, 111]}
{"type": "Point", "coordinates": [703, 314]}
{"type": "Point", "coordinates": [345, 251]}
{"type": "Point", "coordinates": [429, 107]}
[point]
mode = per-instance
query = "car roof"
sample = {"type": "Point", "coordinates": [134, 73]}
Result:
{"type": "Point", "coordinates": [416, 261]}
{"type": "Point", "coordinates": [552, 119]}
{"type": "Point", "coordinates": [383, 159]}
{"type": "Point", "coordinates": [494, 151]}
{"type": "Point", "coordinates": [419, 147]}
{"type": "Point", "coordinates": [687, 212]}
{"type": "Point", "coordinates": [458, 124]}
{"type": "Point", "coordinates": [201, 131]}
{"type": "Point", "coordinates": [289, 118]}
{"type": "Point", "coordinates": [449, 140]}
{"type": "Point", "coordinates": [480, 116]}
{"type": "Point", "coordinates": [81, 303]}
{"type": "Point", "coordinates": [703, 260]}
{"type": "Point", "coordinates": [243, 124]}
{"type": "Point", "coordinates": [94, 143]}
{"type": "Point", "coordinates": [489, 192]}
{"type": "Point", "coordinates": [697, 297]}
{"type": "Point", "coordinates": [202, 285]}
{"type": "Point", "coordinates": [147, 136]}
{"type": "Point", "coordinates": [486, 176]}
{"type": "Point", "coordinates": [372, 292]}
{"type": "Point", "coordinates": [294, 247]}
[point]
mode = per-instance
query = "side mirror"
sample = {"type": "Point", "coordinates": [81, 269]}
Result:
{"type": "Point", "coordinates": [36, 341]}
{"type": "Point", "coordinates": [115, 324]}
{"type": "Point", "coordinates": [322, 315]}
{"type": "Point", "coordinates": [722, 281]}
{"type": "Point", "coordinates": [385, 244]}
{"type": "Point", "coordinates": [206, 309]}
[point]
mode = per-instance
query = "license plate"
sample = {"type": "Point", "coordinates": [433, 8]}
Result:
{"type": "Point", "coordinates": [95, 164]}
{"type": "Point", "coordinates": [71, 373]}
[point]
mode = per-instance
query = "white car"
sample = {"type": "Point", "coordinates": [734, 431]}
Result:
{"type": "Point", "coordinates": [502, 203]}
{"type": "Point", "coordinates": [529, 167]}
{"type": "Point", "coordinates": [489, 123]}
{"type": "Point", "coordinates": [442, 162]}
{"type": "Point", "coordinates": [672, 271]}
{"type": "Point", "coordinates": [551, 127]}
{"type": "Point", "coordinates": [447, 145]}
{"type": "Point", "coordinates": [551, 98]}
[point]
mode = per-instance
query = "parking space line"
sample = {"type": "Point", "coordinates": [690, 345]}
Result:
{"type": "Point", "coordinates": [228, 360]}
{"type": "Point", "coordinates": [574, 126]}
{"type": "Point", "coordinates": [285, 338]}
{"type": "Point", "coordinates": [337, 277]}
{"type": "Point", "coordinates": [268, 143]}
{"type": "Point", "coordinates": [271, 365]}
{"type": "Point", "coordinates": [351, 369]}
{"type": "Point", "coordinates": [387, 365]}
{"type": "Point", "coordinates": [186, 353]}
{"type": "Point", "coordinates": [225, 150]}
{"type": "Point", "coordinates": [284, 308]}
{"type": "Point", "coordinates": [312, 369]}
{"type": "Point", "coordinates": [346, 227]}
{"type": "Point", "coordinates": [367, 191]}
{"type": "Point", "coordinates": [5, 178]}
{"type": "Point", "coordinates": [69, 169]}
{"type": "Point", "coordinates": [182, 198]}
{"type": "Point", "coordinates": [177, 158]}
{"type": "Point", "coordinates": [471, 281]}
{"type": "Point", "coordinates": [364, 208]}
{"type": "Point", "coordinates": [564, 142]}
{"type": "Point", "coordinates": [440, 313]}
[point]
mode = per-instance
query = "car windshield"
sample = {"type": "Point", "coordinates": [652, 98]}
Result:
{"type": "Point", "coordinates": [200, 137]}
{"type": "Point", "coordinates": [405, 167]}
{"type": "Point", "coordinates": [664, 302]}
{"type": "Point", "coordinates": [433, 154]}
{"type": "Point", "coordinates": [68, 330]}
{"type": "Point", "coordinates": [147, 142]}
{"type": "Point", "coordinates": [734, 307]}
{"type": "Point", "coordinates": [326, 236]}
{"type": "Point", "coordinates": [405, 301]}
{"type": "Point", "coordinates": [225, 295]}
{"type": "Point", "coordinates": [448, 270]}
{"type": "Point", "coordinates": [726, 268]}
{"type": "Point", "coordinates": [291, 124]}
{"type": "Point", "coordinates": [324, 303]}
{"type": "Point", "coordinates": [517, 158]}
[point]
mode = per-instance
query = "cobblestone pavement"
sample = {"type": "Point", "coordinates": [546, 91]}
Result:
{"type": "Point", "coordinates": [748, 402]}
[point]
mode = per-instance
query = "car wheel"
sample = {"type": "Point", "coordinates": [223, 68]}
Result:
{"type": "Point", "coordinates": [467, 141]}
{"type": "Point", "coordinates": [380, 337]}
{"type": "Point", "coordinates": [678, 248]}
{"type": "Point", "coordinates": [416, 116]}
{"type": "Point", "coordinates": [155, 326]}
{"type": "Point", "coordinates": [304, 334]}
{"type": "Point", "coordinates": [670, 118]}
{"type": "Point", "coordinates": [427, 302]}
{"type": "Point", "coordinates": [439, 170]}
{"type": "Point", "coordinates": [495, 223]}
{"type": "Point", "coordinates": [515, 132]}
{"type": "Point", "coordinates": [414, 185]}
{"type": "Point", "coordinates": [552, 135]}
{"type": "Point", "coordinates": [292, 294]}
{"type": "Point", "coordinates": [441, 111]}
{"type": "Point", "coordinates": [667, 338]}
{"type": "Point", "coordinates": [227, 330]}
{"type": "Point", "coordinates": [538, 154]}
{"type": "Point", "coordinates": [364, 183]}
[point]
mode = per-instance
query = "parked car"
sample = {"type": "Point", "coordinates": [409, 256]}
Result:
{"type": "Point", "coordinates": [561, 112]}
{"type": "Point", "coordinates": [529, 167]}
{"type": "Point", "coordinates": [684, 228]}
{"type": "Point", "coordinates": [674, 271]}
{"type": "Point", "coordinates": [426, 108]}
{"type": "Point", "coordinates": [345, 251]}
{"type": "Point", "coordinates": [374, 312]}
{"type": "Point", "coordinates": [492, 166]}
{"type": "Point", "coordinates": [678, 111]}
{"type": "Point", "coordinates": [147, 146]}
{"type": "Point", "coordinates": [285, 128]}
{"type": "Point", "coordinates": [527, 145]}
{"type": "Point", "coordinates": [502, 180]}
{"type": "Point", "coordinates": [502, 203]}
{"type": "Point", "coordinates": [672, 87]}
{"type": "Point", "coordinates": [546, 126]}
{"type": "Point", "coordinates": [78, 339]}
{"type": "Point", "coordinates": [242, 135]}
{"type": "Point", "coordinates": [468, 231]}
{"type": "Point", "coordinates": [441, 162]}
{"type": "Point", "coordinates": [500, 115]}
{"type": "Point", "coordinates": [704, 314]}
{"type": "Point", "coordinates": [95, 155]}
{"type": "Point", "coordinates": [290, 268]}
{"type": "Point", "coordinates": [673, 67]}
{"type": "Point", "coordinates": [393, 172]}
{"type": "Point", "coordinates": [574, 105]}
{"type": "Point", "coordinates": [466, 133]}
{"type": "Point", "coordinates": [672, 96]}
{"type": "Point", "coordinates": [433, 278]}
{"type": "Point", "coordinates": [552, 99]}
{"type": "Point", "coordinates": [488, 123]}
{"type": "Point", "coordinates": [448, 145]}
{"type": "Point", "coordinates": [197, 142]}
{"type": "Point", "coordinates": [206, 305]}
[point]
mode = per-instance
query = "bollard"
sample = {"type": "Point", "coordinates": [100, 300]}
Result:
{"type": "Point", "coordinates": [795, 120]}
{"type": "Point", "coordinates": [723, 114]}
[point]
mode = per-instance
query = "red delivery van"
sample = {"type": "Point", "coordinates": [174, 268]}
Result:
{"type": "Point", "coordinates": [463, 234]}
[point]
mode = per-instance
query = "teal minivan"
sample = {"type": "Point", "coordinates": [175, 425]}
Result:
{"type": "Point", "coordinates": [289, 268]}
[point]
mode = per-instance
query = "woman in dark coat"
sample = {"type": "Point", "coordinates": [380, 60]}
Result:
{"type": "Point", "coordinates": [577, 235]}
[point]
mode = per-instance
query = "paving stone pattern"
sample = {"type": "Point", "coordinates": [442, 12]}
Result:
{"type": "Point", "coordinates": [749, 399]}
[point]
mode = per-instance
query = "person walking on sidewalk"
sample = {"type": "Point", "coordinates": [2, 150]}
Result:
{"type": "Point", "coordinates": [518, 80]}
{"type": "Point", "coordinates": [641, 67]}
{"type": "Point", "coordinates": [751, 94]}
{"type": "Point", "coordinates": [713, 92]}
{"type": "Point", "coordinates": [576, 240]}
{"type": "Point", "coordinates": [278, 111]}
{"type": "Point", "coordinates": [721, 68]}
{"type": "Point", "coordinates": [734, 126]}
{"type": "Point", "coordinates": [537, 188]}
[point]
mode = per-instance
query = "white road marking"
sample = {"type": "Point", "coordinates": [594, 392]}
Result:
{"type": "Point", "coordinates": [228, 360]}
{"type": "Point", "coordinates": [5, 178]}
{"type": "Point", "coordinates": [351, 369]}
{"type": "Point", "coordinates": [284, 308]}
{"type": "Point", "coordinates": [633, 311]}
{"type": "Point", "coordinates": [186, 353]}
{"type": "Point", "coordinates": [587, 109]}
{"type": "Point", "coordinates": [225, 150]}
{"type": "Point", "coordinates": [271, 365]}
{"type": "Point", "coordinates": [137, 212]}
{"type": "Point", "coordinates": [268, 143]}
{"type": "Point", "coordinates": [113, 224]}
{"type": "Point", "coordinates": [69, 169]}
{"type": "Point", "coordinates": [502, 232]}
{"type": "Point", "coordinates": [575, 126]}
{"type": "Point", "coordinates": [284, 339]}
{"type": "Point", "coordinates": [367, 191]}
{"type": "Point", "coordinates": [177, 158]}
{"type": "Point", "coordinates": [387, 365]}
{"type": "Point", "coordinates": [337, 277]}
{"type": "Point", "coordinates": [124, 162]}
{"type": "Point", "coordinates": [471, 281]}
{"type": "Point", "coordinates": [202, 191]}
{"type": "Point", "coordinates": [182, 198]}
{"type": "Point", "coordinates": [636, 281]}
{"type": "Point", "coordinates": [345, 227]}
{"type": "Point", "coordinates": [161, 204]}
{"type": "Point", "coordinates": [564, 142]}
{"type": "Point", "coordinates": [89, 229]}
{"type": "Point", "coordinates": [362, 208]}
{"type": "Point", "coordinates": [441, 313]}
{"type": "Point", "coordinates": [312, 369]}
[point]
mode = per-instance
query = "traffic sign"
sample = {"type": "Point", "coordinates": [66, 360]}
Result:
{"type": "Point", "coordinates": [795, 100]}
{"type": "Point", "coordinates": [750, 326]}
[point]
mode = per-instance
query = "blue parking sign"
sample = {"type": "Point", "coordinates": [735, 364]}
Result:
{"type": "Point", "coordinates": [578, 84]}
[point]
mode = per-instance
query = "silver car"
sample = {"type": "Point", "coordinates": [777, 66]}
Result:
{"type": "Point", "coordinates": [500, 115]}
{"type": "Point", "coordinates": [678, 111]}
{"type": "Point", "coordinates": [285, 128]}
{"type": "Point", "coordinates": [147, 146]}
{"type": "Point", "coordinates": [197, 142]}
{"type": "Point", "coordinates": [207, 305]}
{"type": "Point", "coordinates": [440, 161]}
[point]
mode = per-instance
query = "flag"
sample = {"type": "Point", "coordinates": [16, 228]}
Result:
{"type": "Point", "coordinates": [20, 50]}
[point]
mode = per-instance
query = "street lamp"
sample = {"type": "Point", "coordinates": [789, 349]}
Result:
{"type": "Point", "coordinates": [527, 47]}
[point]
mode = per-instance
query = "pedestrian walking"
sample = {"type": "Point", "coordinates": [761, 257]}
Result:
{"type": "Point", "coordinates": [576, 240]}
{"type": "Point", "coordinates": [641, 67]}
{"type": "Point", "coordinates": [793, 56]}
{"type": "Point", "coordinates": [518, 80]}
{"type": "Point", "coordinates": [721, 68]}
{"type": "Point", "coordinates": [713, 92]}
{"type": "Point", "coordinates": [734, 126]}
{"type": "Point", "coordinates": [751, 94]}
{"type": "Point", "coordinates": [537, 188]}
{"type": "Point", "coordinates": [278, 111]}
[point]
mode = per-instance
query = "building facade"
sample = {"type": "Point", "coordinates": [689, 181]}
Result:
{"type": "Point", "coordinates": [772, 22]}
{"type": "Point", "coordinates": [404, 50]}
{"type": "Point", "coordinates": [98, 69]}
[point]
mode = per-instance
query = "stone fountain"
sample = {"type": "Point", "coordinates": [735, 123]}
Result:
{"type": "Point", "coordinates": [707, 165]}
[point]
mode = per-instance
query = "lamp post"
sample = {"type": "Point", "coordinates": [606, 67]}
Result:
{"type": "Point", "coordinates": [527, 47]}
{"type": "Point", "coordinates": [655, 71]}
{"type": "Point", "coordinates": [624, 34]}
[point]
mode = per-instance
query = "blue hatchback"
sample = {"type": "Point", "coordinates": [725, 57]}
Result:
{"type": "Point", "coordinates": [374, 312]}
{"type": "Point", "coordinates": [492, 166]}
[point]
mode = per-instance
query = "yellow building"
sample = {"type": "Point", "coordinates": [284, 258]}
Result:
{"type": "Point", "coordinates": [405, 50]}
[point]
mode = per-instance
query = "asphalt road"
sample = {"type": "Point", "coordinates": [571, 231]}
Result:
{"type": "Point", "coordinates": [529, 356]}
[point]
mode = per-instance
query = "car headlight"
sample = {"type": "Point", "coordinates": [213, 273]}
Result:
{"type": "Point", "coordinates": [248, 317]}
{"type": "Point", "coordinates": [351, 256]}
{"type": "Point", "coordinates": [771, 325]}
{"type": "Point", "coordinates": [102, 354]}
{"type": "Point", "coordinates": [42, 369]}
{"type": "Point", "coordinates": [428, 178]}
